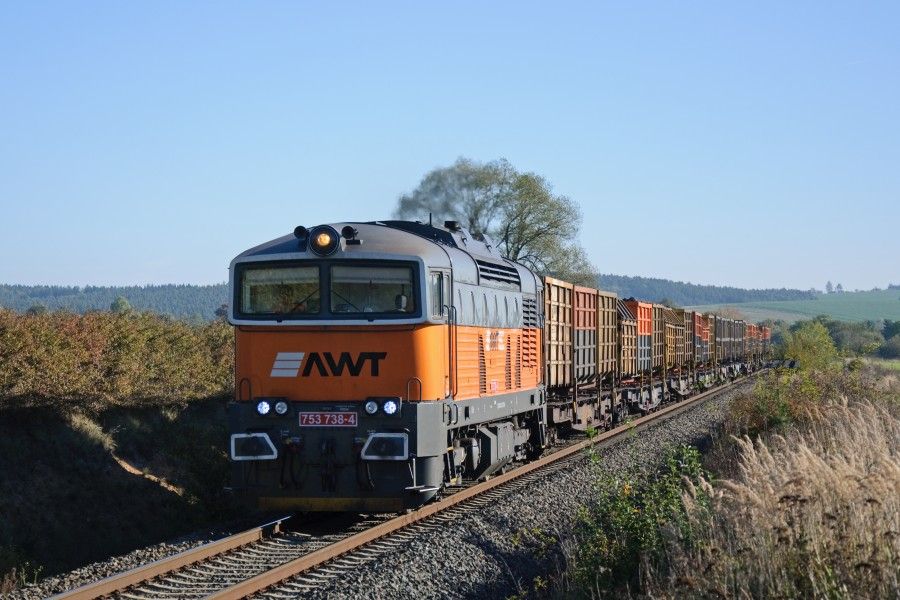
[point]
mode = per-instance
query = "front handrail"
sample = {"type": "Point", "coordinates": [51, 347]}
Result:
{"type": "Point", "coordinates": [409, 381]}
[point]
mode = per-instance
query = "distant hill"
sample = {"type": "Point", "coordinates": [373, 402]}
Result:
{"type": "Point", "coordinates": [180, 301]}
{"type": "Point", "coordinates": [684, 294]}
{"type": "Point", "coordinates": [846, 306]}
{"type": "Point", "coordinates": [201, 301]}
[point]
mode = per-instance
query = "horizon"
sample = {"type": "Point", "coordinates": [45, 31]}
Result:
{"type": "Point", "coordinates": [155, 143]}
{"type": "Point", "coordinates": [82, 287]}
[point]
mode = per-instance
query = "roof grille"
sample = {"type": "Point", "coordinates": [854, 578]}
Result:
{"type": "Point", "coordinates": [498, 272]}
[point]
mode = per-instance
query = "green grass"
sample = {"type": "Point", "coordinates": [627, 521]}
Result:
{"type": "Point", "coordinates": [888, 363]}
{"type": "Point", "coordinates": [848, 306]}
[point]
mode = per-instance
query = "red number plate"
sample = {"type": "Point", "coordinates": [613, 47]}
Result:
{"type": "Point", "coordinates": [328, 419]}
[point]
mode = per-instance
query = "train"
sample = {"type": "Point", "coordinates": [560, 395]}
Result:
{"type": "Point", "coordinates": [380, 364]}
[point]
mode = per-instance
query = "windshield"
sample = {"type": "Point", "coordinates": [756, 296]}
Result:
{"type": "Point", "coordinates": [372, 289]}
{"type": "Point", "coordinates": [326, 290]}
{"type": "Point", "coordinates": [280, 291]}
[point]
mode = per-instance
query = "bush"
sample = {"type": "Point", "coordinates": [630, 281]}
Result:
{"type": "Point", "coordinates": [891, 348]}
{"type": "Point", "coordinates": [811, 345]}
{"type": "Point", "coordinates": [627, 525]}
{"type": "Point", "coordinates": [782, 398]}
{"type": "Point", "coordinates": [99, 359]}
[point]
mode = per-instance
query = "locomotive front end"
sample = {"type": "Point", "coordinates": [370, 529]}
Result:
{"type": "Point", "coordinates": [341, 371]}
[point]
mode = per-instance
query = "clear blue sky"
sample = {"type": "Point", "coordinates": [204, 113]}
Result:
{"type": "Point", "coordinates": [151, 142]}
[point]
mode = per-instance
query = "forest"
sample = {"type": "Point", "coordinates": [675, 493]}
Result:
{"type": "Point", "coordinates": [182, 301]}
{"type": "Point", "coordinates": [200, 302]}
{"type": "Point", "coordinates": [690, 294]}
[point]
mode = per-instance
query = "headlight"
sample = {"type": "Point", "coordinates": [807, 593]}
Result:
{"type": "Point", "coordinates": [324, 240]}
{"type": "Point", "coordinates": [390, 407]}
{"type": "Point", "coordinates": [371, 407]}
{"type": "Point", "coordinates": [281, 407]}
{"type": "Point", "coordinates": [263, 407]}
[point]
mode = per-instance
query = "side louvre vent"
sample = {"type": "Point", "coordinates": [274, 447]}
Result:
{"type": "Point", "coordinates": [518, 357]}
{"type": "Point", "coordinates": [482, 367]}
{"type": "Point", "coordinates": [499, 273]}
{"type": "Point", "coordinates": [529, 349]}
{"type": "Point", "coordinates": [509, 365]}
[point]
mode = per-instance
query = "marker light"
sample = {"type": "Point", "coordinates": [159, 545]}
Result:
{"type": "Point", "coordinates": [371, 407]}
{"type": "Point", "coordinates": [390, 407]}
{"type": "Point", "coordinates": [281, 407]}
{"type": "Point", "coordinates": [263, 407]}
{"type": "Point", "coordinates": [302, 235]}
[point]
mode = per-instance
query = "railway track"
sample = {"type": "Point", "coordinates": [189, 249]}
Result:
{"type": "Point", "coordinates": [275, 561]}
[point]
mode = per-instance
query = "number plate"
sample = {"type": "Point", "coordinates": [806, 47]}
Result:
{"type": "Point", "coordinates": [328, 419]}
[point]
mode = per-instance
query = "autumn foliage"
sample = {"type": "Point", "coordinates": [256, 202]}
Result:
{"type": "Point", "coordinates": [101, 359]}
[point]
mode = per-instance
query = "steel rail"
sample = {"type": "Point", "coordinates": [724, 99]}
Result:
{"type": "Point", "coordinates": [121, 581]}
{"type": "Point", "coordinates": [314, 559]}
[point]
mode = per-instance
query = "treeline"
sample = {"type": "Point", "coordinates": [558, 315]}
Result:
{"type": "Point", "coordinates": [102, 358]}
{"type": "Point", "coordinates": [196, 302]}
{"type": "Point", "coordinates": [200, 302]}
{"type": "Point", "coordinates": [690, 294]}
{"type": "Point", "coordinates": [866, 338]}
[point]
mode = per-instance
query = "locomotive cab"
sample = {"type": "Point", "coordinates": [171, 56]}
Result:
{"type": "Point", "coordinates": [340, 371]}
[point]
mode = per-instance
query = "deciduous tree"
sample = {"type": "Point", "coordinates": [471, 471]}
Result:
{"type": "Point", "coordinates": [810, 344]}
{"type": "Point", "coordinates": [120, 305]}
{"type": "Point", "coordinates": [519, 212]}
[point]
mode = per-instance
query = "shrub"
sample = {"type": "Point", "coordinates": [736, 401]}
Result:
{"type": "Point", "coordinates": [891, 348]}
{"type": "Point", "coordinates": [787, 397]}
{"type": "Point", "coordinates": [811, 345]}
{"type": "Point", "coordinates": [99, 359]}
{"type": "Point", "coordinates": [622, 529]}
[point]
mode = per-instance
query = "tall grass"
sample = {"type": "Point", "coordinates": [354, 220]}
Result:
{"type": "Point", "coordinates": [812, 513]}
{"type": "Point", "coordinates": [808, 505]}
{"type": "Point", "coordinates": [101, 359]}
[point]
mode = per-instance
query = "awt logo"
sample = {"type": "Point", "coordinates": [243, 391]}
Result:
{"type": "Point", "coordinates": [299, 364]}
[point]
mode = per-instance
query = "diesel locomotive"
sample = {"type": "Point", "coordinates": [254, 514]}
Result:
{"type": "Point", "coordinates": [378, 363]}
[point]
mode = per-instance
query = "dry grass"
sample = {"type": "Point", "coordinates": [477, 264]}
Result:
{"type": "Point", "coordinates": [812, 513]}
{"type": "Point", "coordinates": [808, 505]}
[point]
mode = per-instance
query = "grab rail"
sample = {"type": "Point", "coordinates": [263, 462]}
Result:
{"type": "Point", "coordinates": [408, 382]}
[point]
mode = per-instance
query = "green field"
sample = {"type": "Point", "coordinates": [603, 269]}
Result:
{"type": "Point", "coordinates": [847, 306]}
{"type": "Point", "coordinates": [892, 364]}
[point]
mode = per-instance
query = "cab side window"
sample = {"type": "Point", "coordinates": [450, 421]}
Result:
{"type": "Point", "coordinates": [437, 295]}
